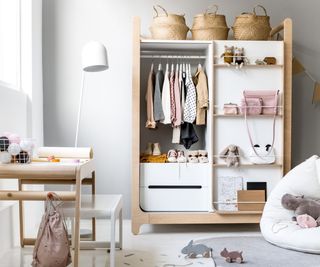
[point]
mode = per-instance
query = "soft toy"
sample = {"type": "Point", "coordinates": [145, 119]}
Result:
{"type": "Point", "coordinates": [231, 155]}
{"type": "Point", "coordinates": [193, 251]}
{"type": "Point", "coordinates": [232, 256]}
{"type": "Point", "coordinates": [228, 54]}
{"type": "Point", "coordinates": [306, 221]}
{"type": "Point", "coordinates": [239, 59]}
{"type": "Point", "coordinates": [301, 205]}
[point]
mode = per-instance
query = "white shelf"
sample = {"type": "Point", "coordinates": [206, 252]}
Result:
{"type": "Point", "coordinates": [242, 116]}
{"type": "Point", "coordinates": [248, 66]}
{"type": "Point", "coordinates": [248, 165]}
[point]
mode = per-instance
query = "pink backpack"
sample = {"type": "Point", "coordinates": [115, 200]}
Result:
{"type": "Point", "coordinates": [52, 245]}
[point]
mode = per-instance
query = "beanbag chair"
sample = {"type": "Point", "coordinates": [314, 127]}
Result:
{"type": "Point", "coordinates": [276, 223]}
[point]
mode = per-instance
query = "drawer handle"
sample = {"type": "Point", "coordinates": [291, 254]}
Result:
{"type": "Point", "coordinates": [174, 186]}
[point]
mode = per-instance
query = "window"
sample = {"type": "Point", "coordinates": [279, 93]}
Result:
{"type": "Point", "coordinates": [10, 43]}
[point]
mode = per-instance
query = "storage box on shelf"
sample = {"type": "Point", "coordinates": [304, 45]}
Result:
{"type": "Point", "coordinates": [160, 191]}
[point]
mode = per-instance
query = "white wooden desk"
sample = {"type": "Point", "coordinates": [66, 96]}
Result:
{"type": "Point", "coordinates": [49, 171]}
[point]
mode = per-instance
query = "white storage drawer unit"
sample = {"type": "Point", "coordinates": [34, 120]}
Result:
{"type": "Point", "coordinates": [174, 186]}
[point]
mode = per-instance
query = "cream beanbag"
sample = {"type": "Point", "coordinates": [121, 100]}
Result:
{"type": "Point", "coordinates": [276, 223]}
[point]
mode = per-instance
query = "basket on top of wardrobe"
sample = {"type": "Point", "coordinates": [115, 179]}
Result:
{"type": "Point", "coordinates": [210, 26]}
{"type": "Point", "coordinates": [167, 26]}
{"type": "Point", "coordinates": [250, 26]}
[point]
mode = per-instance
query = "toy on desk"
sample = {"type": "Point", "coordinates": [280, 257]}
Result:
{"type": "Point", "coordinates": [4, 143]}
{"type": "Point", "coordinates": [232, 256]}
{"type": "Point", "coordinates": [14, 149]}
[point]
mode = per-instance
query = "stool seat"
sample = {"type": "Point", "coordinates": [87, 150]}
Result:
{"type": "Point", "coordinates": [94, 206]}
{"type": "Point", "coordinates": [100, 207]}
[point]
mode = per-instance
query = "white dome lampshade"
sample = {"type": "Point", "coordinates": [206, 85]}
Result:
{"type": "Point", "coordinates": [94, 57]}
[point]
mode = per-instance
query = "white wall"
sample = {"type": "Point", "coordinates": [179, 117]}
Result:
{"type": "Point", "coordinates": [106, 120]}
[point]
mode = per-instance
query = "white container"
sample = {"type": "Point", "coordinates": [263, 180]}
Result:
{"type": "Point", "coordinates": [174, 187]}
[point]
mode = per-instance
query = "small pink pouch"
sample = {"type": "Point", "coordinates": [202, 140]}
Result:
{"type": "Point", "coordinates": [230, 109]}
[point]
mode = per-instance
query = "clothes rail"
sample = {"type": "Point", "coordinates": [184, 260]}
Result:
{"type": "Point", "coordinates": [173, 56]}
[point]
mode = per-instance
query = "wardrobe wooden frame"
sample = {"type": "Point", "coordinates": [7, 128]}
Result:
{"type": "Point", "coordinates": [140, 217]}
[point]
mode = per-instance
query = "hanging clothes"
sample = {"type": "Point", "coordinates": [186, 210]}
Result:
{"type": "Point", "coordinates": [202, 96]}
{"type": "Point", "coordinates": [183, 89]}
{"type": "Point", "coordinates": [151, 124]}
{"type": "Point", "coordinates": [172, 95]}
{"type": "Point", "coordinates": [176, 120]}
{"type": "Point", "coordinates": [178, 116]}
{"type": "Point", "coordinates": [157, 108]}
{"type": "Point", "coordinates": [166, 106]}
{"type": "Point", "coordinates": [190, 109]}
{"type": "Point", "coordinates": [188, 135]}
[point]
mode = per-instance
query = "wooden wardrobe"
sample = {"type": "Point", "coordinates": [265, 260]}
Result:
{"type": "Point", "coordinates": [197, 203]}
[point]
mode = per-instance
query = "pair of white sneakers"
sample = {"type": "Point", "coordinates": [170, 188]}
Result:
{"type": "Point", "coordinates": [198, 156]}
{"type": "Point", "coordinates": [174, 156]}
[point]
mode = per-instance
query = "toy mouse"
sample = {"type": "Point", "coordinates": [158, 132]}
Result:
{"type": "Point", "coordinates": [232, 256]}
{"type": "Point", "coordinates": [301, 205]}
{"type": "Point", "coordinates": [193, 251]}
{"type": "Point", "coordinates": [231, 155]}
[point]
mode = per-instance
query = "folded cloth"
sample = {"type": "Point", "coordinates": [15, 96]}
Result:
{"type": "Point", "coordinates": [188, 135]}
{"type": "Point", "coordinates": [144, 158]}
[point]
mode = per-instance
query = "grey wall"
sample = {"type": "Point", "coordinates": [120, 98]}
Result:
{"type": "Point", "coordinates": [106, 118]}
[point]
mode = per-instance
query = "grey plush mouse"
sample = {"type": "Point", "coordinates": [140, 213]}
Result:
{"type": "Point", "coordinates": [199, 249]}
{"type": "Point", "coordinates": [301, 205]}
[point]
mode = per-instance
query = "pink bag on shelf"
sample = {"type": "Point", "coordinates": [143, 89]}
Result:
{"type": "Point", "coordinates": [260, 102]}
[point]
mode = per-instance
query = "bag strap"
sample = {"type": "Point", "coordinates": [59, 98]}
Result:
{"type": "Point", "coordinates": [273, 127]}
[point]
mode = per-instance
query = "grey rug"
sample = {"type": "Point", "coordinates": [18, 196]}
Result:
{"type": "Point", "coordinates": [259, 253]}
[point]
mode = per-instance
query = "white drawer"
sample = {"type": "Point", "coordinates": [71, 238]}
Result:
{"type": "Point", "coordinates": [180, 199]}
{"type": "Point", "coordinates": [174, 174]}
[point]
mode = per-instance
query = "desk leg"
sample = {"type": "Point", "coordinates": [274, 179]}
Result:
{"type": "Point", "coordinates": [93, 192]}
{"type": "Point", "coordinates": [77, 221]}
{"type": "Point", "coordinates": [21, 215]}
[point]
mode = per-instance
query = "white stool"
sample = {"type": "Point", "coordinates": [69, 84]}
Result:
{"type": "Point", "coordinates": [100, 207]}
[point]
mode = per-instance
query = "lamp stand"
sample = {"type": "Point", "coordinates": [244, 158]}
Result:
{"type": "Point", "coordinates": [79, 109]}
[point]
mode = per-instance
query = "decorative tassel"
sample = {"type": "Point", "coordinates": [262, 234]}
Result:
{"type": "Point", "coordinates": [316, 93]}
{"type": "Point", "coordinates": [297, 67]}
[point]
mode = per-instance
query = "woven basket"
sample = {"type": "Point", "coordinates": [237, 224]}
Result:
{"type": "Point", "coordinates": [210, 26]}
{"type": "Point", "coordinates": [250, 26]}
{"type": "Point", "coordinates": [168, 26]}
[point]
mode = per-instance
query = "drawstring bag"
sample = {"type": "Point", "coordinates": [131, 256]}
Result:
{"type": "Point", "coordinates": [52, 245]}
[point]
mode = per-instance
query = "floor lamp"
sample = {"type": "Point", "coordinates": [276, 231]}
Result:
{"type": "Point", "coordinates": [94, 59]}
